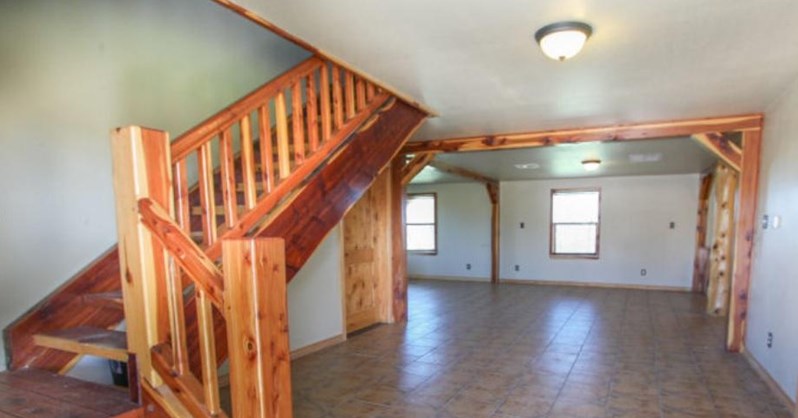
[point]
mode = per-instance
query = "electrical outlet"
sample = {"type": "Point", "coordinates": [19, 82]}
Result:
{"type": "Point", "coordinates": [643, 272]}
{"type": "Point", "coordinates": [468, 266]}
{"type": "Point", "coordinates": [517, 267]}
{"type": "Point", "coordinates": [770, 340]}
{"type": "Point", "coordinates": [522, 225]}
{"type": "Point", "coordinates": [673, 225]}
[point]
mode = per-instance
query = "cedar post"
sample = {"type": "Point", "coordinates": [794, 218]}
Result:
{"type": "Point", "coordinates": [720, 268]}
{"type": "Point", "coordinates": [744, 240]}
{"type": "Point", "coordinates": [493, 194]}
{"type": "Point", "coordinates": [699, 266]}
{"type": "Point", "coordinates": [142, 169]}
{"type": "Point", "coordinates": [257, 327]}
{"type": "Point", "coordinates": [398, 247]}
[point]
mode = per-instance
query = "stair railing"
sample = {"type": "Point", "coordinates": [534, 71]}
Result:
{"type": "Point", "coordinates": [326, 103]}
{"type": "Point", "coordinates": [159, 257]}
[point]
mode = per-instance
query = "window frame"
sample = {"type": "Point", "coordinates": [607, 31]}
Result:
{"type": "Point", "coordinates": [552, 235]}
{"type": "Point", "coordinates": [434, 225]}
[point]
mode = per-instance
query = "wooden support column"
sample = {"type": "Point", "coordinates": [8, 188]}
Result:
{"type": "Point", "coordinates": [701, 251]}
{"type": "Point", "coordinates": [398, 247]}
{"type": "Point", "coordinates": [493, 194]}
{"type": "Point", "coordinates": [257, 327]}
{"type": "Point", "coordinates": [720, 268]}
{"type": "Point", "coordinates": [142, 169]}
{"type": "Point", "coordinates": [744, 240]}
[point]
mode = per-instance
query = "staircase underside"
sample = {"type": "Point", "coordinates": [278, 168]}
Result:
{"type": "Point", "coordinates": [340, 184]}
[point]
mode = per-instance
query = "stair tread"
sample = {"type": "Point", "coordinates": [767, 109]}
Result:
{"type": "Point", "coordinates": [29, 392]}
{"type": "Point", "coordinates": [111, 300]}
{"type": "Point", "coordinates": [99, 342]}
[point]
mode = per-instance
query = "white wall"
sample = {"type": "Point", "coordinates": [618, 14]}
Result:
{"type": "Point", "coordinates": [635, 234]}
{"type": "Point", "coordinates": [72, 71]}
{"type": "Point", "coordinates": [463, 233]}
{"type": "Point", "coordinates": [315, 304]}
{"type": "Point", "coordinates": [774, 282]}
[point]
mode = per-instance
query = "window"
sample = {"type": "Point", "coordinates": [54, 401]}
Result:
{"type": "Point", "coordinates": [422, 218]}
{"type": "Point", "coordinates": [575, 223]}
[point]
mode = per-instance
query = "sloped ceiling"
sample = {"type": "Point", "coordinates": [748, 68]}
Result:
{"type": "Point", "coordinates": [475, 61]}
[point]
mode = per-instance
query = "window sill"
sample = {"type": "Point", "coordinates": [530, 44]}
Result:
{"type": "Point", "coordinates": [575, 256]}
{"type": "Point", "coordinates": [422, 252]}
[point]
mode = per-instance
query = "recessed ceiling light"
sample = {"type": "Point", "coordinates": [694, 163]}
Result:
{"type": "Point", "coordinates": [591, 165]}
{"type": "Point", "coordinates": [562, 40]}
{"type": "Point", "coordinates": [645, 158]}
{"type": "Point", "coordinates": [527, 166]}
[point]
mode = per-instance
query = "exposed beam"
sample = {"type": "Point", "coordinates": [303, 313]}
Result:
{"type": "Point", "coordinates": [627, 132]}
{"type": "Point", "coordinates": [414, 166]}
{"type": "Point", "coordinates": [462, 172]}
{"type": "Point", "coordinates": [744, 240]}
{"type": "Point", "coordinates": [724, 149]}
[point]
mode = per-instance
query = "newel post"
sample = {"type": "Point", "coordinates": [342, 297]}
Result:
{"type": "Point", "coordinates": [256, 311]}
{"type": "Point", "coordinates": [142, 168]}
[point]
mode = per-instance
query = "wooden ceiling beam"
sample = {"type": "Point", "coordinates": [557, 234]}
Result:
{"type": "Point", "coordinates": [612, 133]}
{"type": "Point", "coordinates": [722, 147]}
{"type": "Point", "coordinates": [414, 166]}
{"type": "Point", "coordinates": [461, 172]}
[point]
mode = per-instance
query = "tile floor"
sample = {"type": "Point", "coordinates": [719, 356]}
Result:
{"type": "Point", "coordinates": [473, 350]}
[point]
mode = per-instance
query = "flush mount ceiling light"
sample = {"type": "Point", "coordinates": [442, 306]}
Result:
{"type": "Point", "coordinates": [591, 165]}
{"type": "Point", "coordinates": [562, 40]}
{"type": "Point", "coordinates": [527, 166]}
{"type": "Point", "coordinates": [645, 158]}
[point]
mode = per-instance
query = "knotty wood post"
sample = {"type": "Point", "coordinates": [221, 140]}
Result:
{"type": "Point", "coordinates": [493, 194]}
{"type": "Point", "coordinates": [257, 327]}
{"type": "Point", "coordinates": [699, 265]}
{"type": "Point", "coordinates": [142, 168]}
{"type": "Point", "coordinates": [744, 240]}
{"type": "Point", "coordinates": [398, 247]}
{"type": "Point", "coordinates": [720, 269]}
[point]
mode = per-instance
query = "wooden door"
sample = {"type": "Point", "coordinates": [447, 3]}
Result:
{"type": "Point", "coordinates": [366, 260]}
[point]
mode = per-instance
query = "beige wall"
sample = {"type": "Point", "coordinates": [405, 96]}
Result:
{"type": "Point", "coordinates": [634, 232]}
{"type": "Point", "coordinates": [315, 304]}
{"type": "Point", "coordinates": [635, 215]}
{"type": "Point", "coordinates": [463, 233]}
{"type": "Point", "coordinates": [774, 282]}
{"type": "Point", "coordinates": [73, 70]}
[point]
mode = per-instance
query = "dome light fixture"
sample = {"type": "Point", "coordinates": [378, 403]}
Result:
{"type": "Point", "coordinates": [562, 40]}
{"type": "Point", "coordinates": [591, 165]}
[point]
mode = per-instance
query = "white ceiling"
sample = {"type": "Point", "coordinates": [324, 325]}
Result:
{"type": "Point", "coordinates": [676, 156]}
{"type": "Point", "coordinates": [476, 63]}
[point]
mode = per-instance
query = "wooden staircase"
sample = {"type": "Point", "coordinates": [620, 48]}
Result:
{"type": "Point", "coordinates": [266, 179]}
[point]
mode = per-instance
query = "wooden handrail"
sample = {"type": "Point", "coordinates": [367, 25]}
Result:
{"type": "Point", "coordinates": [190, 141]}
{"type": "Point", "coordinates": [192, 259]}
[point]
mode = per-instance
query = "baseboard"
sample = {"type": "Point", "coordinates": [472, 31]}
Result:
{"type": "Point", "coordinates": [321, 345]}
{"type": "Point", "coordinates": [452, 278]}
{"type": "Point", "coordinates": [597, 284]}
{"type": "Point", "coordinates": [224, 379]}
{"type": "Point", "coordinates": [774, 386]}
